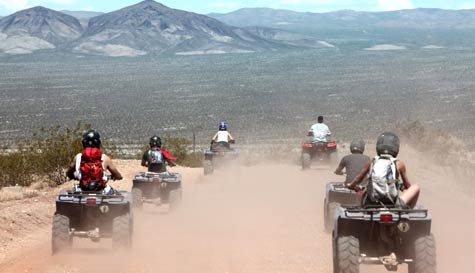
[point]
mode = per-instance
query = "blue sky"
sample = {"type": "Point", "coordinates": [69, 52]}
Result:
{"type": "Point", "coordinates": [207, 6]}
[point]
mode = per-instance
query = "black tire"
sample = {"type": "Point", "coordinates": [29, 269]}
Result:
{"type": "Point", "coordinates": [424, 255]}
{"type": "Point", "coordinates": [174, 198]}
{"type": "Point", "coordinates": [305, 161]}
{"type": "Point", "coordinates": [330, 215]}
{"type": "Point", "coordinates": [347, 255]}
{"type": "Point", "coordinates": [208, 167]}
{"type": "Point", "coordinates": [121, 232]}
{"type": "Point", "coordinates": [137, 198]}
{"type": "Point", "coordinates": [61, 239]}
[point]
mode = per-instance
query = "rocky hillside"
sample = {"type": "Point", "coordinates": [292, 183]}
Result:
{"type": "Point", "coordinates": [37, 28]}
{"type": "Point", "coordinates": [152, 27]}
{"type": "Point", "coordinates": [138, 30]}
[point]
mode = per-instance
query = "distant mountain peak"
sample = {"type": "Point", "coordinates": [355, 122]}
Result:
{"type": "Point", "coordinates": [39, 22]}
{"type": "Point", "coordinates": [149, 3]}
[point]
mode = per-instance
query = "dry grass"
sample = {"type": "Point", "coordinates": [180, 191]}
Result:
{"type": "Point", "coordinates": [17, 193]}
{"type": "Point", "coordinates": [441, 148]}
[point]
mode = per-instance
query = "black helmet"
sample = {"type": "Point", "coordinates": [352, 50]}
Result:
{"type": "Point", "coordinates": [357, 146]}
{"type": "Point", "coordinates": [91, 138]}
{"type": "Point", "coordinates": [320, 119]}
{"type": "Point", "coordinates": [388, 143]}
{"type": "Point", "coordinates": [155, 141]}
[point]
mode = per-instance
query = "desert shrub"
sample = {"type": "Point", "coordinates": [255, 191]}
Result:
{"type": "Point", "coordinates": [15, 167]}
{"type": "Point", "coordinates": [53, 149]}
{"type": "Point", "coordinates": [445, 149]}
{"type": "Point", "coordinates": [437, 143]}
{"type": "Point", "coordinates": [45, 155]}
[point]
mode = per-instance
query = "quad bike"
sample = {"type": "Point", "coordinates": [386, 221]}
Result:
{"type": "Point", "coordinates": [217, 154]}
{"type": "Point", "coordinates": [322, 152]}
{"type": "Point", "coordinates": [388, 236]}
{"type": "Point", "coordinates": [156, 188]}
{"type": "Point", "coordinates": [337, 195]}
{"type": "Point", "coordinates": [93, 215]}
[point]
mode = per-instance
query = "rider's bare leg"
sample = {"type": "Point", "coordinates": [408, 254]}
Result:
{"type": "Point", "coordinates": [410, 195]}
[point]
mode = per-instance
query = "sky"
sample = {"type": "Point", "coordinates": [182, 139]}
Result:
{"type": "Point", "coordinates": [223, 6]}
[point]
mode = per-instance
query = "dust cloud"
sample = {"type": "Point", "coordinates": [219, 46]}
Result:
{"type": "Point", "coordinates": [259, 219]}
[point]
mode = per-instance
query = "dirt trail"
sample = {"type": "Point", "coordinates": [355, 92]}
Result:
{"type": "Point", "coordinates": [257, 219]}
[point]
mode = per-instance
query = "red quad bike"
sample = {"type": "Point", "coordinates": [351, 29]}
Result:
{"type": "Point", "coordinates": [218, 153]}
{"type": "Point", "coordinates": [321, 152]}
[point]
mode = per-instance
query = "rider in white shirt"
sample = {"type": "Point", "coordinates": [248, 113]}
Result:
{"type": "Point", "coordinates": [319, 131]}
{"type": "Point", "coordinates": [223, 136]}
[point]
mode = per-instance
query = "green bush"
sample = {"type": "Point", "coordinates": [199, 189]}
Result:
{"type": "Point", "coordinates": [46, 155]}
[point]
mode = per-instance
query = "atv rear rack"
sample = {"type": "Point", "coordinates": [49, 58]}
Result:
{"type": "Point", "coordinates": [414, 213]}
{"type": "Point", "coordinates": [70, 197]}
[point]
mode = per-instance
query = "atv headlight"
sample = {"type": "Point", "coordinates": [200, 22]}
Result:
{"type": "Point", "coordinates": [163, 185]}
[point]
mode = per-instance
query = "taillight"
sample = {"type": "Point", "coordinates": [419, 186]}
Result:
{"type": "Point", "coordinates": [331, 144]}
{"type": "Point", "coordinates": [306, 145]}
{"type": "Point", "coordinates": [386, 218]}
{"type": "Point", "coordinates": [91, 201]}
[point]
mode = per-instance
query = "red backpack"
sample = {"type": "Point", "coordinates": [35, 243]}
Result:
{"type": "Point", "coordinates": [91, 169]}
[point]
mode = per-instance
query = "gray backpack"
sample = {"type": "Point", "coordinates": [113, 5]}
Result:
{"type": "Point", "coordinates": [383, 180]}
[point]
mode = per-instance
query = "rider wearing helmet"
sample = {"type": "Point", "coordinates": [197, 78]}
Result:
{"type": "Point", "coordinates": [95, 179]}
{"type": "Point", "coordinates": [387, 147]}
{"type": "Point", "coordinates": [319, 131]}
{"type": "Point", "coordinates": [156, 159]}
{"type": "Point", "coordinates": [354, 162]}
{"type": "Point", "coordinates": [222, 137]}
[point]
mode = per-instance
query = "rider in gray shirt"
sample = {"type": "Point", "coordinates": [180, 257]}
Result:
{"type": "Point", "coordinates": [353, 163]}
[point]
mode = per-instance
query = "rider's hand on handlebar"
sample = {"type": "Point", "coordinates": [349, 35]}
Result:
{"type": "Point", "coordinates": [232, 141]}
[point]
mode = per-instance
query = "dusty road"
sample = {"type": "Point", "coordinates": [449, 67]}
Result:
{"type": "Point", "coordinates": [257, 219]}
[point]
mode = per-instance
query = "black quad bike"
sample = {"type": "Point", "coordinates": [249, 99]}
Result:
{"type": "Point", "coordinates": [93, 215]}
{"type": "Point", "coordinates": [218, 153]}
{"type": "Point", "coordinates": [322, 152]}
{"type": "Point", "coordinates": [337, 195]}
{"type": "Point", "coordinates": [157, 188]}
{"type": "Point", "coordinates": [388, 236]}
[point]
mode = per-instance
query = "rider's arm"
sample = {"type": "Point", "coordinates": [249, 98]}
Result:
{"type": "Point", "coordinates": [230, 137]}
{"type": "Point", "coordinates": [112, 169]}
{"type": "Point", "coordinates": [144, 160]}
{"type": "Point", "coordinates": [71, 169]}
{"type": "Point", "coordinates": [341, 166]}
{"type": "Point", "coordinates": [328, 131]}
{"type": "Point", "coordinates": [167, 155]}
{"type": "Point", "coordinates": [401, 167]}
{"type": "Point", "coordinates": [215, 137]}
{"type": "Point", "coordinates": [359, 178]}
{"type": "Point", "coordinates": [170, 159]}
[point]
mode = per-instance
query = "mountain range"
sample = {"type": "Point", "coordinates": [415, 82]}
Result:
{"type": "Point", "coordinates": [420, 18]}
{"type": "Point", "coordinates": [150, 27]}
{"type": "Point", "coordinates": [137, 30]}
